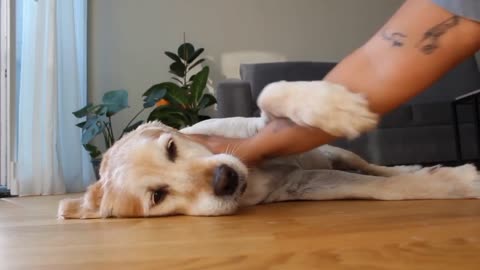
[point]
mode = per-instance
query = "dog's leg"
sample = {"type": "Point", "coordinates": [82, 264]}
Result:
{"type": "Point", "coordinates": [440, 183]}
{"type": "Point", "coordinates": [331, 157]}
{"type": "Point", "coordinates": [342, 159]}
{"type": "Point", "coordinates": [234, 127]}
{"type": "Point", "coordinates": [328, 106]}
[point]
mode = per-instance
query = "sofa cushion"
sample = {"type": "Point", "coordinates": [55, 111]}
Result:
{"type": "Point", "coordinates": [414, 145]}
{"type": "Point", "coordinates": [234, 98]}
{"type": "Point", "coordinates": [259, 75]}
{"type": "Point", "coordinates": [400, 117]}
{"type": "Point", "coordinates": [462, 79]}
{"type": "Point", "coordinates": [430, 114]}
{"type": "Point", "coordinates": [427, 114]}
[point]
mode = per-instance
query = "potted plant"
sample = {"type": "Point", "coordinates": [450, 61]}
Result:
{"type": "Point", "coordinates": [177, 104]}
{"type": "Point", "coordinates": [98, 120]}
{"type": "Point", "coordinates": [184, 98]}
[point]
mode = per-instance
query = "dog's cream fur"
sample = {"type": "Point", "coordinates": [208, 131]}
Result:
{"type": "Point", "coordinates": [328, 106]}
{"type": "Point", "coordinates": [139, 164]}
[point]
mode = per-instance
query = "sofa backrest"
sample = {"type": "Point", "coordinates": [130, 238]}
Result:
{"type": "Point", "coordinates": [259, 75]}
{"type": "Point", "coordinates": [460, 80]}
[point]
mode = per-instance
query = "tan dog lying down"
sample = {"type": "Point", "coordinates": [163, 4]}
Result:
{"type": "Point", "coordinates": [157, 171]}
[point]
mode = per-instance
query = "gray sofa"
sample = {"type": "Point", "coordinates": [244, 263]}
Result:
{"type": "Point", "coordinates": [419, 132]}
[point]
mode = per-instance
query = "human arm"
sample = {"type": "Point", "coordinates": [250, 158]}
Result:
{"type": "Point", "coordinates": [419, 44]}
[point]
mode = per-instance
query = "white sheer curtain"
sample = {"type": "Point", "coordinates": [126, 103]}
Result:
{"type": "Point", "coordinates": [52, 84]}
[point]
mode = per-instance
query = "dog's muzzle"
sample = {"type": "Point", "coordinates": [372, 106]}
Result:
{"type": "Point", "coordinates": [225, 181]}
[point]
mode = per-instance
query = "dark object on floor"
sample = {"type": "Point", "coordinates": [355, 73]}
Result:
{"type": "Point", "coordinates": [418, 132]}
{"type": "Point", "coordinates": [470, 99]}
{"type": "Point", "coordinates": [4, 192]}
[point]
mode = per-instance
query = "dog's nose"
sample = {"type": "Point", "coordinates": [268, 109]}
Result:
{"type": "Point", "coordinates": [225, 181]}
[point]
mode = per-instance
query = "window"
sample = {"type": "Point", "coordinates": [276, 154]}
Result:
{"type": "Point", "coordinates": [6, 165]}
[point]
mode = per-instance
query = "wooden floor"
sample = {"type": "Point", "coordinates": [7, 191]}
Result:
{"type": "Point", "coordinates": [303, 235]}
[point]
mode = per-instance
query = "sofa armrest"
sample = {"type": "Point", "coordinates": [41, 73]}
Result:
{"type": "Point", "coordinates": [234, 99]}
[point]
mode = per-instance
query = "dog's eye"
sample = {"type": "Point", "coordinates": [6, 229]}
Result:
{"type": "Point", "coordinates": [159, 195]}
{"type": "Point", "coordinates": [171, 150]}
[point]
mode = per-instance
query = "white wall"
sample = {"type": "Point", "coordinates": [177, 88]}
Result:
{"type": "Point", "coordinates": [127, 38]}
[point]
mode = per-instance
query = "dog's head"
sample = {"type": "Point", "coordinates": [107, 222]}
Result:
{"type": "Point", "coordinates": [157, 171]}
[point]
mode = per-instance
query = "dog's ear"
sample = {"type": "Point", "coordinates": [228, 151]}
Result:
{"type": "Point", "coordinates": [86, 207]}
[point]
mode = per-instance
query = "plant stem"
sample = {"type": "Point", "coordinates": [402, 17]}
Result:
{"type": "Point", "coordinates": [109, 133]}
{"type": "Point", "coordinates": [186, 61]}
{"type": "Point", "coordinates": [136, 115]}
{"type": "Point", "coordinates": [112, 136]}
{"type": "Point", "coordinates": [105, 137]}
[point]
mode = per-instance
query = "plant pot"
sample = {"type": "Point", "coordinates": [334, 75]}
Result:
{"type": "Point", "coordinates": [96, 167]}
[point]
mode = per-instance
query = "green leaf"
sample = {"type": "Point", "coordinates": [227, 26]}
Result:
{"type": "Point", "coordinates": [203, 117]}
{"type": "Point", "coordinates": [115, 101]}
{"type": "Point", "coordinates": [89, 147]}
{"type": "Point", "coordinates": [83, 111]}
{"type": "Point", "coordinates": [199, 84]}
{"type": "Point", "coordinates": [173, 122]}
{"type": "Point", "coordinates": [173, 56]}
{"type": "Point", "coordinates": [173, 73]}
{"type": "Point", "coordinates": [193, 117]}
{"type": "Point", "coordinates": [185, 51]}
{"type": "Point", "coordinates": [154, 88]}
{"type": "Point", "coordinates": [81, 124]}
{"type": "Point", "coordinates": [169, 115]}
{"type": "Point", "coordinates": [207, 100]}
{"type": "Point", "coordinates": [133, 126]}
{"type": "Point", "coordinates": [195, 55]}
{"type": "Point", "coordinates": [196, 64]}
{"type": "Point", "coordinates": [155, 93]}
{"type": "Point", "coordinates": [177, 95]}
{"type": "Point", "coordinates": [159, 112]}
{"type": "Point", "coordinates": [188, 118]}
{"type": "Point", "coordinates": [177, 80]}
{"type": "Point", "coordinates": [178, 69]}
{"type": "Point", "coordinates": [93, 127]}
{"type": "Point", "coordinates": [98, 110]}
{"type": "Point", "coordinates": [92, 150]}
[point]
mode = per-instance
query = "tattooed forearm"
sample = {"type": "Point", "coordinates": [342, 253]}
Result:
{"type": "Point", "coordinates": [430, 41]}
{"type": "Point", "coordinates": [396, 38]}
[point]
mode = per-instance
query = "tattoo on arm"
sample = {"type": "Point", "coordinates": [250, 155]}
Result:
{"type": "Point", "coordinates": [430, 40]}
{"type": "Point", "coordinates": [429, 43]}
{"type": "Point", "coordinates": [397, 38]}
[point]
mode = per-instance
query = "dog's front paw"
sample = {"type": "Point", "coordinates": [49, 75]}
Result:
{"type": "Point", "coordinates": [320, 104]}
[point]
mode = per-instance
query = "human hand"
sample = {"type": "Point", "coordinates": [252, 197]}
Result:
{"type": "Point", "coordinates": [281, 137]}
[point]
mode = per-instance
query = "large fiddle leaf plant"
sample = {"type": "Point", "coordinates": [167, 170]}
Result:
{"type": "Point", "coordinates": [179, 103]}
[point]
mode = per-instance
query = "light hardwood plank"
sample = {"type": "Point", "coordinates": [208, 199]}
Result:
{"type": "Point", "coordinates": [297, 235]}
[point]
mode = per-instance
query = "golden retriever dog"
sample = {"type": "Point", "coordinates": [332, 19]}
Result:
{"type": "Point", "coordinates": [158, 171]}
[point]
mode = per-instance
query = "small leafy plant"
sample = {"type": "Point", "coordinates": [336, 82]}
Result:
{"type": "Point", "coordinates": [179, 103]}
{"type": "Point", "coordinates": [99, 121]}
